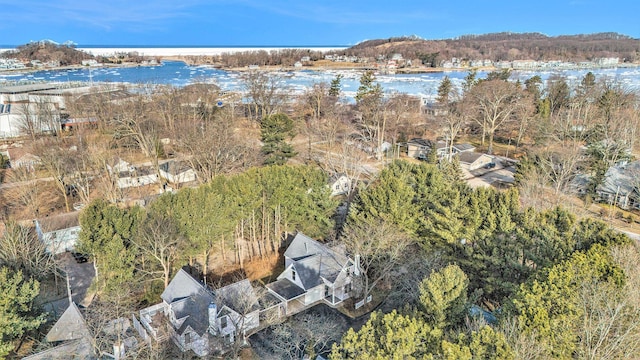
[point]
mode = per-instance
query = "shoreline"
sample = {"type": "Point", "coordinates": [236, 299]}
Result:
{"type": "Point", "coordinates": [318, 68]}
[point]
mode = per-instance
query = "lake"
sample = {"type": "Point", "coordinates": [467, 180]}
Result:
{"type": "Point", "coordinates": [180, 74]}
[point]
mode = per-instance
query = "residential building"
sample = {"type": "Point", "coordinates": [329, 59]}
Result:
{"type": "Point", "coordinates": [313, 273]}
{"type": "Point", "coordinates": [471, 161]}
{"type": "Point", "coordinates": [177, 172]}
{"type": "Point", "coordinates": [127, 175]}
{"type": "Point", "coordinates": [59, 233]}
{"type": "Point", "coordinates": [199, 319]}
{"type": "Point", "coordinates": [340, 184]}
{"type": "Point", "coordinates": [621, 186]}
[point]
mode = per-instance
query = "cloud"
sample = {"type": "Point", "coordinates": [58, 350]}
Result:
{"type": "Point", "coordinates": [104, 15]}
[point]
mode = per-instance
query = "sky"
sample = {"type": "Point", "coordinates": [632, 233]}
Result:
{"type": "Point", "coordinates": [300, 22]}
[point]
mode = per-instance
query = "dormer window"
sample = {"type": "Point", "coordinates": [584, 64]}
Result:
{"type": "Point", "coordinates": [293, 274]}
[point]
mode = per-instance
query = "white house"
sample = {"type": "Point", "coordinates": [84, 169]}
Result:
{"type": "Point", "coordinates": [340, 184]}
{"type": "Point", "coordinates": [199, 319]}
{"type": "Point", "coordinates": [59, 233]}
{"type": "Point", "coordinates": [19, 158]}
{"type": "Point", "coordinates": [127, 175]}
{"type": "Point", "coordinates": [177, 172]}
{"type": "Point", "coordinates": [236, 311]}
{"type": "Point", "coordinates": [473, 161]}
{"type": "Point", "coordinates": [313, 273]}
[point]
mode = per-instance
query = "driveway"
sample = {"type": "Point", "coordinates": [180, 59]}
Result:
{"type": "Point", "coordinates": [80, 278]}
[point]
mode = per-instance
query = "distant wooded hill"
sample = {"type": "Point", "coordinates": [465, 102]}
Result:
{"type": "Point", "coordinates": [46, 52]}
{"type": "Point", "coordinates": [505, 46]}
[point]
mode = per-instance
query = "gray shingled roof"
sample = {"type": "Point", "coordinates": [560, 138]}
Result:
{"type": "Point", "coordinates": [70, 326]}
{"type": "Point", "coordinates": [189, 299]}
{"type": "Point", "coordinates": [314, 261]}
{"type": "Point", "coordinates": [621, 179]}
{"type": "Point", "coordinates": [239, 297]}
{"type": "Point", "coordinates": [420, 142]}
{"type": "Point", "coordinates": [174, 167]}
{"type": "Point", "coordinates": [76, 349]}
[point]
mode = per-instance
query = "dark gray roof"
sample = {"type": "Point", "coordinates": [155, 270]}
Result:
{"type": "Point", "coordinates": [286, 289]}
{"type": "Point", "coordinates": [622, 179]}
{"type": "Point", "coordinates": [70, 326]}
{"type": "Point", "coordinates": [314, 261]}
{"type": "Point", "coordinates": [303, 246]}
{"type": "Point", "coordinates": [189, 299]}
{"type": "Point", "coordinates": [239, 297]}
{"type": "Point", "coordinates": [77, 349]}
{"type": "Point", "coordinates": [175, 167]}
{"type": "Point", "coordinates": [420, 142]}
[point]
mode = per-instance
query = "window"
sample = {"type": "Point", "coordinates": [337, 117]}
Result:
{"type": "Point", "coordinates": [7, 108]}
{"type": "Point", "coordinates": [347, 288]}
{"type": "Point", "coordinates": [187, 338]}
{"type": "Point", "coordinates": [223, 322]}
{"type": "Point", "coordinates": [326, 291]}
{"type": "Point", "coordinates": [1, 108]}
{"type": "Point", "coordinates": [293, 274]}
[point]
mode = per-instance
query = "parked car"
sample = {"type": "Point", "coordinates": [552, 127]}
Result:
{"type": "Point", "coordinates": [80, 258]}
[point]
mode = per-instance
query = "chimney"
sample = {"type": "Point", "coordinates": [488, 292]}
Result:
{"type": "Point", "coordinates": [356, 265]}
{"type": "Point", "coordinates": [213, 316]}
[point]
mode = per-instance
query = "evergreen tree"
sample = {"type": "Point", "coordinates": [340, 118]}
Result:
{"type": "Point", "coordinates": [443, 296]}
{"type": "Point", "coordinates": [444, 91]}
{"type": "Point", "coordinates": [275, 129]}
{"type": "Point", "coordinates": [335, 87]}
{"type": "Point", "coordinates": [390, 336]}
{"type": "Point", "coordinates": [16, 308]}
{"type": "Point", "coordinates": [106, 236]}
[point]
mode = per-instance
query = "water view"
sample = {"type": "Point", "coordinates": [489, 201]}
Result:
{"type": "Point", "coordinates": [180, 74]}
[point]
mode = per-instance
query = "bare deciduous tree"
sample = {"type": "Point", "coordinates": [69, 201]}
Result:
{"type": "Point", "coordinates": [379, 247]}
{"type": "Point", "coordinates": [495, 102]}
{"type": "Point", "coordinates": [158, 240]}
{"type": "Point", "coordinates": [265, 93]}
{"type": "Point", "coordinates": [20, 249]}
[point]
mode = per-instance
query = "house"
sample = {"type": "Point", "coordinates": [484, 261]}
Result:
{"type": "Point", "coordinates": [71, 335]}
{"type": "Point", "coordinates": [19, 158]}
{"type": "Point", "coordinates": [460, 148]}
{"type": "Point", "coordinates": [74, 339]}
{"type": "Point", "coordinates": [177, 172]}
{"type": "Point", "coordinates": [127, 175]}
{"type": "Point", "coordinates": [621, 186]}
{"type": "Point", "coordinates": [340, 184]}
{"type": "Point", "coordinates": [418, 148]}
{"type": "Point", "coordinates": [59, 233]}
{"type": "Point", "coordinates": [313, 273]}
{"type": "Point", "coordinates": [185, 305]}
{"type": "Point", "coordinates": [236, 311]}
{"type": "Point", "coordinates": [199, 319]}
{"type": "Point", "coordinates": [473, 161]}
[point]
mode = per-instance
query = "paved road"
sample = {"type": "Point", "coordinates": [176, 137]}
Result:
{"type": "Point", "coordinates": [80, 278]}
